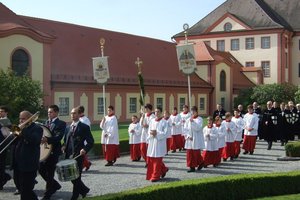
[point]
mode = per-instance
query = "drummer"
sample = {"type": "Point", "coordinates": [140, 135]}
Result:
{"type": "Point", "coordinates": [78, 141]}
{"type": "Point", "coordinates": [47, 167]}
{"type": "Point", "coordinates": [27, 155]}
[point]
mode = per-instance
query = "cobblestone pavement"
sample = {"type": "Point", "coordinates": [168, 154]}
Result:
{"type": "Point", "coordinates": [126, 175]}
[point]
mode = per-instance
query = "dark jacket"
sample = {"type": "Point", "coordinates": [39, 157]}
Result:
{"type": "Point", "coordinates": [82, 138]}
{"type": "Point", "coordinates": [57, 129]}
{"type": "Point", "coordinates": [27, 149]}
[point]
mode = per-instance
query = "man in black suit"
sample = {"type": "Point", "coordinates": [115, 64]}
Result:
{"type": "Point", "coordinates": [219, 112]}
{"type": "Point", "coordinates": [57, 128]}
{"type": "Point", "coordinates": [4, 132]}
{"type": "Point", "coordinates": [78, 140]}
{"type": "Point", "coordinates": [269, 124]}
{"type": "Point", "coordinates": [27, 156]}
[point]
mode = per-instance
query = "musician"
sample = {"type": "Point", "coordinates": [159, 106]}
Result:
{"type": "Point", "coordinates": [84, 119]}
{"type": "Point", "coordinates": [78, 141]}
{"type": "Point", "coordinates": [258, 111]}
{"type": "Point", "coordinates": [110, 137]}
{"type": "Point", "coordinates": [268, 124]}
{"type": "Point", "coordinates": [4, 132]}
{"type": "Point", "coordinates": [57, 128]}
{"type": "Point", "coordinates": [157, 135]}
{"type": "Point", "coordinates": [26, 158]}
{"type": "Point", "coordinates": [219, 112]}
{"type": "Point", "coordinates": [241, 110]}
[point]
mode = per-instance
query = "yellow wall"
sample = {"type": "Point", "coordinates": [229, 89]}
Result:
{"type": "Point", "coordinates": [235, 25]}
{"type": "Point", "coordinates": [227, 93]}
{"type": "Point", "coordinates": [32, 47]}
{"type": "Point", "coordinates": [202, 71]}
{"type": "Point", "coordinates": [252, 76]}
{"type": "Point", "coordinates": [128, 96]}
{"type": "Point", "coordinates": [295, 61]}
{"type": "Point", "coordinates": [66, 94]}
{"type": "Point", "coordinates": [97, 95]}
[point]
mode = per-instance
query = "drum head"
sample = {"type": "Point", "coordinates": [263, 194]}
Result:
{"type": "Point", "coordinates": [45, 149]}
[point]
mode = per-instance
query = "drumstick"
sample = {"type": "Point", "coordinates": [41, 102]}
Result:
{"type": "Point", "coordinates": [77, 156]}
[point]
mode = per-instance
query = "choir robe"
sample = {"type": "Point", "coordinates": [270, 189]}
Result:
{"type": "Point", "coordinates": [230, 131]}
{"type": "Point", "coordinates": [194, 141]}
{"type": "Point", "coordinates": [251, 121]}
{"type": "Point", "coordinates": [156, 149]}
{"type": "Point", "coordinates": [110, 144]}
{"type": "Point", "coordinates": [145, 121]}
{"type": "Point", "coordinates": [211, 152]}
{"type": "Point", "coordinates": [176, 131]}
{"type": "Point", "coordinates": [221, 140]}
{"type": "Point", "coordinates": [169, 135]}
{"type": "Point", "coordinates": [134, 131]}
{"type": "Point", "coordinates": [184, 117]}
{"type": "Point", "coordinates": [240, 124]}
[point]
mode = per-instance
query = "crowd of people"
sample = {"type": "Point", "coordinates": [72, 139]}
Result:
{"type": "Point", "coordinates": [152, 136]}
{"type": "Point", "coordinates": [26, 144]}
{"type": "Point", "coordinates": [226, 133]}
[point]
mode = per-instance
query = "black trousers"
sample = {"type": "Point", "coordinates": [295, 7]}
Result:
{"type": "Point", "coordinates": [3, 175]}
{"type": "Point", "coordinates": [78, 186]}
{"type": "Point", "coordinates": [47, 171]}
{"type": "Point", "coordinates": [26, 182]}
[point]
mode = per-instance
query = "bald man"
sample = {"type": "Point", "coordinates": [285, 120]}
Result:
{"type": "Point", "coordinates": [27, 156]}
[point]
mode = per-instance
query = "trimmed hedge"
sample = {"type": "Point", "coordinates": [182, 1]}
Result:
{"type": "Point", "coordinates": [292, 149]}
{"type": "Point", "coordinates": [242, 186]}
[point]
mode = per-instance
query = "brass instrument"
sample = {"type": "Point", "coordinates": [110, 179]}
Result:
{"type": "Point", "coordinates": [16, 130]}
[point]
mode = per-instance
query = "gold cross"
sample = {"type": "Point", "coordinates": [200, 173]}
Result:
{"type": "Point", "coordinates": [139, 63]}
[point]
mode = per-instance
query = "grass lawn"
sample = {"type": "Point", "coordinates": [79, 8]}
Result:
{"type": "Point", "coordinates": [284, 197]}
{"type": "Point", "coordinates": [123, 131]}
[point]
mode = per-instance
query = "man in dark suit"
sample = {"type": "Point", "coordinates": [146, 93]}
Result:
{"type": "Point", "coordinates": [78, 140]}
{"type": "Point", "coordinates": [27, 156]}
{"type": "Point", "coordinates": [269, 124]}
{"type": "Point", "coordinates": [219, 112]}
{"type": "Point", "coordinates": [57, 128]}
{"type": "Point", "coordinates": [4, 132]}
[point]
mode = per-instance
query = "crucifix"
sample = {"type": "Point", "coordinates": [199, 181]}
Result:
{"type": "Point", "coordinates": [139, 63]}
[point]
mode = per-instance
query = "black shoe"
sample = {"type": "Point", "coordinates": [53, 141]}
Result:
{"type": "Point", "coordinates": [52, 190]}
{"type": "Point", "coordinates": [173, 151]}
{"type": "Point", "coordinates": [224, 159]}
{"type": "Point", "coordinates": [17, 192]}
{"type": "Point", "coordinates": [85, 193]}
{"type": "Point", "coordinates": [146, 165]}
{"type": "Point", "coordinates": [154, 180]}
{"type": "Point", "coordinates": [192, 169]}
{"type": "Point", "coordinates": [245, 152]}
{"type": "Point", "coordinates": [109, 164]}
{"type": "Point", "coordinates": [200, 167]}
{"type": "Point", "coordinates": [215, 165]}
{"type": "Point", "coordinates": [88, 167]}
{"type": "Point", "coordinates": [164, 174]}
{"type": "Point", "coordinates": [251, 152]}
{"type": "Point", "coordinates": [231, 158]}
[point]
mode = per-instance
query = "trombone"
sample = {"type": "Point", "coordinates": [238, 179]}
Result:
{"type": "Point", "coordinates": [16, 131]}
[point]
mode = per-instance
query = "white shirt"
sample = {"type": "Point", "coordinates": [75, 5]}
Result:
{"type": "Point", "coordinates": [240, 124]}
{"type": "Point", "coordinates": [134, 131]}
{"type": "Point", "coordinates": [176, 124]}
{"type": "Point", "coordinates": [230, 130]}
{"type": "Point", "coordinates": [221, 136]}
{"type": "Point", "coordinates": [145, 121]}
{"type": "Point", "coordinates": [251, 121]}
{"type": "Point", "coordinates": [169, 129]}
{"type": "Point", "coordinates": [84, 119]}
{"type": "Point", "coordinates": [194, 138]}
{"type": "Point", "coordinates": [110, 127]}
{"type": "Point", "coordinates": [157, 145]}
{"type": "Point", "coordinates": [211, 138]}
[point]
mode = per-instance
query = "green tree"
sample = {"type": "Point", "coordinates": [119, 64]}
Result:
{"type": "Point", "coordinates": [274, 92]}
{"type": "Point", "coordinates": [19, 93]}
{"type": "Point", "coordinates": [297, 96]}
{"type": "Point", "coordinates": [244, 97]}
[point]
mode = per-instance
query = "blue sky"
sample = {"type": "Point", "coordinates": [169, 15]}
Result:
{"type": "Point", "coordinates": [160, 19]}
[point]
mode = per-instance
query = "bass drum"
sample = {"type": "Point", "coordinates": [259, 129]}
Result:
{"type": "Point", "coordinates": [45, 148]}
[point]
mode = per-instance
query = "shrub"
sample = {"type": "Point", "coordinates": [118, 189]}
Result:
{"type": "Point", "coordinates": [292, 149]}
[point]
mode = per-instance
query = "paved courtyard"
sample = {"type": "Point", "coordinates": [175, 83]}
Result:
{"type": "Point", "coordinates": [126, 175]}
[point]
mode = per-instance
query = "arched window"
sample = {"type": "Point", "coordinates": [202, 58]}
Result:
{"type": "Point", "coordinates": [227, 26]}
{"type": "Point", "coordinates": [222, 81]}
{"type": "Point", "coordinates": [20, 62]}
